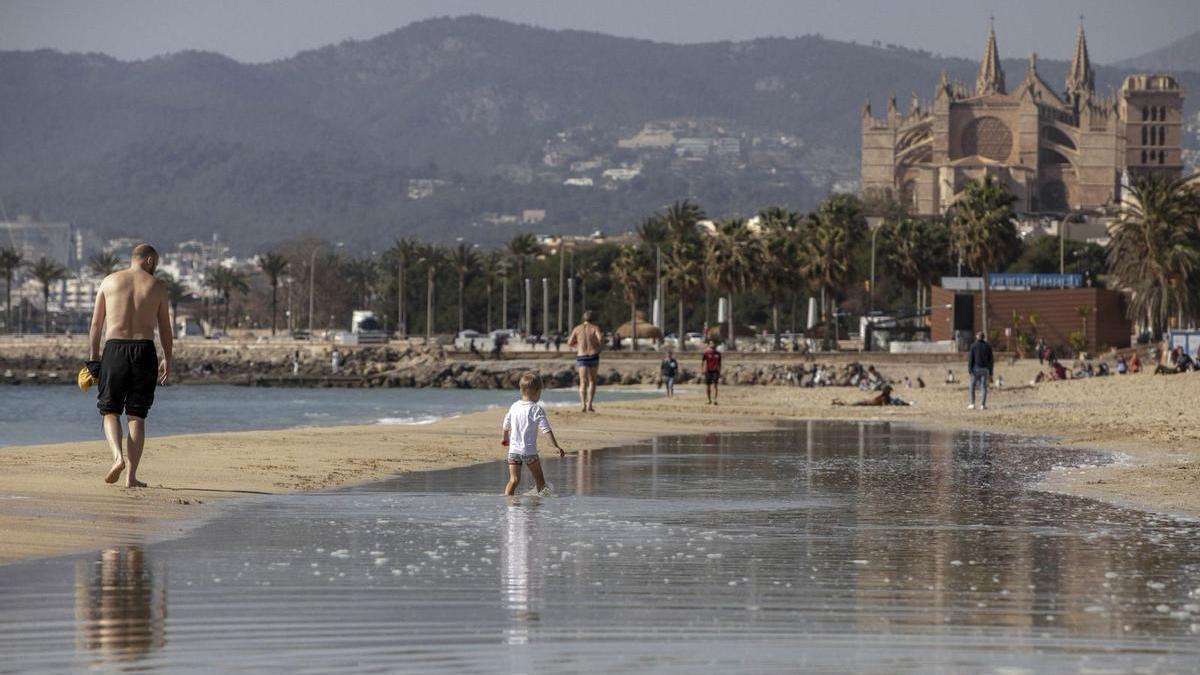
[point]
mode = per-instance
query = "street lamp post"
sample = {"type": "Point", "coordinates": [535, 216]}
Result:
{"type": "Point", "coordinates": [1062, 233]}
{"type": "Point", "coordinates": [312, 273]}
{"type": "Point", "coordinates": [875, 226]}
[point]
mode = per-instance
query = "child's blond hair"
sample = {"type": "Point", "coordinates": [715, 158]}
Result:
{"type": "Point", "coordinates": [531, 384]}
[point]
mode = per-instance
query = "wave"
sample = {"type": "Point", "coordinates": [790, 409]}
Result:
{"type": "Point", "coordinates": [423, 419]}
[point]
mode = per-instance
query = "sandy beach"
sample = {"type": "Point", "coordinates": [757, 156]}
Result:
{"type": "Point", "coordinates": [55, 501]}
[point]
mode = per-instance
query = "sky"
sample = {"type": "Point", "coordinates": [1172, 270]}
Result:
{"type": "Point", "coordinates": [265, 30]}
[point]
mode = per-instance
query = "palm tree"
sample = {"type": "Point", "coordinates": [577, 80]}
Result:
{"type": "Point", "coordinates": [782, 237]}
{"type": "Point", "coordinates": [47, 272]}
{"type": "Point", "coordinates": [176, 292]}
{"type": "Point", "coordinates": [105, 263]}
{"type": "Point", "coordinates": [274, 265]}
{"type": "Point", "coordinates": [1154, 251]}
{"type": "Point", "coordinates": [833, 232]}
{"type": "Point", "coordinates": [521, 247]}
{"type": "Point", "coordinates": [464, 260]}
{"type": "Point", "coordinates": [984, 230]}
{"type": "Point", "coordinates": [225, 282]}
{"type": "Point", "coordinates": [685, 275]}
{"type": "Point", "coordinates": [680, 220]}
{"type": "Point", "coordinates": [733, 259]}
{"type": "Point", "coordinates": [494, 268]}
{"type": "Point", "coordinates": [431, 256]}
{"type": "Point", "coordinates": [586, 271]}
{"type": "Point", "coordinates": [916, 249]}
{"type": "Point", "coordinates": [404, 254]}
{"type": "Point", "coordinates": [631, 269]}
{"type": "Point", "coordinates": [360, 274]}
{"type": "Point", "coordinates": [653, 232]}
{"type": "Point", "coordinates": [11, 261]}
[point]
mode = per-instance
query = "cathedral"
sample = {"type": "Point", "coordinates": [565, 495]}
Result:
{"type": "Point", "coordinates": [1055, 151]}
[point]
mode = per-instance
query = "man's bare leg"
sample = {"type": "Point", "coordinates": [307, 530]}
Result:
{"type": "Point", "coordinates": [583, 383]}
{"type": "Point", "coordinates": [137, 439]}
{"type": "Point", "coordinates": [114, 435]}
{"type": "Point", "coordinates": [591, 372]}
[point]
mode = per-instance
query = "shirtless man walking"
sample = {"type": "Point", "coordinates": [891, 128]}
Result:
{"type": "Point", "coordinates": [129, 306]}
{"type": "Point", "coordinates": [587, 341]}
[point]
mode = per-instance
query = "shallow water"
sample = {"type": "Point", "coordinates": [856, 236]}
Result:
{"type": "Point", "coordinates": [33, 414]}
{"type": "Point", "coordinates": [831, 546]}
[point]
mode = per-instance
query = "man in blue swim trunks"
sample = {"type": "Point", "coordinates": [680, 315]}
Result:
{"type": "Point", "coordinates": [587, 340]}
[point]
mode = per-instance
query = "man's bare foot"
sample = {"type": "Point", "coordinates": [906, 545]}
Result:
{"type": "Point", "coordinates": [133, 483]}
{"type": "Point", "coordinates": [115, 472]}
{"type": "Point", "coordinates": [591, 409]}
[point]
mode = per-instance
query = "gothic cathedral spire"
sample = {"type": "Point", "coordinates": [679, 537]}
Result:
{"type": "Point", "coordinates": [991, 75]}
{"type": "Point", "coordinates": [1081, 79]}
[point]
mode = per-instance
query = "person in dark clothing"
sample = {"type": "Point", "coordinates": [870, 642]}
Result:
{"type": "Point", "coordinates": [980, 366]}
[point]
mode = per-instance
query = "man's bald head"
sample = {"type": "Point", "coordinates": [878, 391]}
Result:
{"type": "Point", "coordinates": [144, 256]}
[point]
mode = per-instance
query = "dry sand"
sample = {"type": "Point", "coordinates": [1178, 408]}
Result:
{"type": "Point", "coordinates": [55, 501]}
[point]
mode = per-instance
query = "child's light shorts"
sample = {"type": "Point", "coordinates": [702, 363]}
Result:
{"type": "Point", "coordinates": [519, 459]}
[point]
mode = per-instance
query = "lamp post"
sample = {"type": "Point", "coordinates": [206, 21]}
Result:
{"type": "Point", "coordinates": [1062, 233]}
{"type": "Point", "coordinates": [876, 224]}
{"type": "Point", "coordinates": [312, 273]}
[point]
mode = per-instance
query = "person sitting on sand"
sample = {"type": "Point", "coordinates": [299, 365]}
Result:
{"type": "Point", "coordinates": [1058, 370]}
{"type": "Point", "coordinates": [1122, 366]}
{"type": "Point", "coordinates": [1135, 363]}
{"type": "Point", "coordinates": [950, 376]}
{"type": "Point", "coordinates": [711, 365]}
{"type": "Point", "coordinates": [524, 420]}
{"type": "Point", "coordinates": [884, 398]}
{"type": "Point", "coordinates": [131, 303]}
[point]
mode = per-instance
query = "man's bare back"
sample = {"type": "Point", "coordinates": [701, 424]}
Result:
{"type": "Point", "coordinates": [586, 339]}
{"type": "Point", "coordinates": [132, 302]}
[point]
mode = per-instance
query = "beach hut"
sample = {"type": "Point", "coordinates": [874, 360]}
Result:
{"type": "Point", "coordinates": [645, 329]}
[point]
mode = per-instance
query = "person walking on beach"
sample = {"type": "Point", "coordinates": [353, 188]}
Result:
{"type": "Point", "coordinates": [587, 340]}
{"type": "Point", "coordinates": [130, 304]}
{"type": "Point", "coordinates": [980, 366]}
{"type": "Point", "coordinates": [667, 371]}
{"type": "Point", "coordinates": [524, 420]}
{"type": "Point", "coordinates": [711, 360]}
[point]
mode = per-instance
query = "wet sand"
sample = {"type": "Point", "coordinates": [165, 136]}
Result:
{"type": "Point", "coordinates": [55, 501]}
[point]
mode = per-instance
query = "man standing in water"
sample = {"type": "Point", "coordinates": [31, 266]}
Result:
{"type": "Point", "coordinates": [129, 306]}
{"type": "Point", "coordinates": [587, 341]}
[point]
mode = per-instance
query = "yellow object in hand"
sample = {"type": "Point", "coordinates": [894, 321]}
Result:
{"type": "Point", "coordinates": [85, 379]}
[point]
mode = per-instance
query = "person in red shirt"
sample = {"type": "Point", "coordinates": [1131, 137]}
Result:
{"type": "Point", "coordinates": [711, 358]}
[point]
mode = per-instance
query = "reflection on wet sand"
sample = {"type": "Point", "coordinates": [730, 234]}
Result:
{"type": "Point", "coordinates": [120, 605]}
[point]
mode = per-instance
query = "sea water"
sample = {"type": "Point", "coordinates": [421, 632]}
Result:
{"type": "Point", "coordinates": [828, 547]}
{"type": "Point", "coordinates": [32, 414]}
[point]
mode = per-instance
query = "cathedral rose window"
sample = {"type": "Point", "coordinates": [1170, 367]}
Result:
{"type": "Point", "coordinates": [987, 137]}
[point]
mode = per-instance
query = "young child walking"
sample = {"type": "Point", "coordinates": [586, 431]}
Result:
{"type": "Point", "coordinates": [524, 420]}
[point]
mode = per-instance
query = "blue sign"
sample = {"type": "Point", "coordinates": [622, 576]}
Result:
{"type": "Point", "coordinates": [1018, 280]}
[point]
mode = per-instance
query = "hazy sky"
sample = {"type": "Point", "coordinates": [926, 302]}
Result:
{"type": "Point", "coordinates": [263, 30]}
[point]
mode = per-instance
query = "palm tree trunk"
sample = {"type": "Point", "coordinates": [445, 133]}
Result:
{"type": "Point", "coordinates": [732, 339]}
{"type": "Point", "coordinates": [489, 307]}
{"type": "Point", "coordinates": [429, 305]}
{"type": "Point", "coordinates": [274, 293]}
{"type": "Point", "coordinates": [226, 321]}
{"type": "Point", "coordinates": [504, 303]}
{"type": "Point", "coordinates": [45, 308]}
{"type": "Point", "coordinates": [583, 294]}
{"type": "Point", "coordinates": [8, 304]}
{"type": "Point", "coordinates": [633, 322]}
{"type": "Point", "coordinates": [401, 319]}
{"type": "Point", "coordinates": [461, 281]}
{"type": "Point", "coordinates": [985, 305]}
{"type": "Point", "coordinates": [775, 319]}
{"type": "Point", "coordinates": [680, 336]}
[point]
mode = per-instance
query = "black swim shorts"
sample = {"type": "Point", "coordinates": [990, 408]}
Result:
{"type": "Point", "coordinates": [712, 377]}
{"type": "Point", "coordinates": [589, 361]}
{"type": "Point", "coordinates": [128, 375]}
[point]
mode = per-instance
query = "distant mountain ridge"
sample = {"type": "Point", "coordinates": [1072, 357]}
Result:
{"type": "Point", "coordinates": [496, 115]}
{"type": "Point", "coordinates": [1180, 55]}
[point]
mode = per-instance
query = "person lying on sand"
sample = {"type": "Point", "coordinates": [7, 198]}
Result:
{"type": "Point", "coordinates": [884, 398]}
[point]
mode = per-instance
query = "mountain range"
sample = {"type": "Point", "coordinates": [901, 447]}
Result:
{"type": "Point", "coordinates": [454, 127]}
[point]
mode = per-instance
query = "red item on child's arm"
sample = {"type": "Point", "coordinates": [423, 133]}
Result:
{"type": "Point", "coordinates": [504, 442]}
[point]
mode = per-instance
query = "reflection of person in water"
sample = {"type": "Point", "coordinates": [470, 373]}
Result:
{"type": "Point", "coordinates": [120, 609]}
{"type": "Point", "coordinates": [514, 574]}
